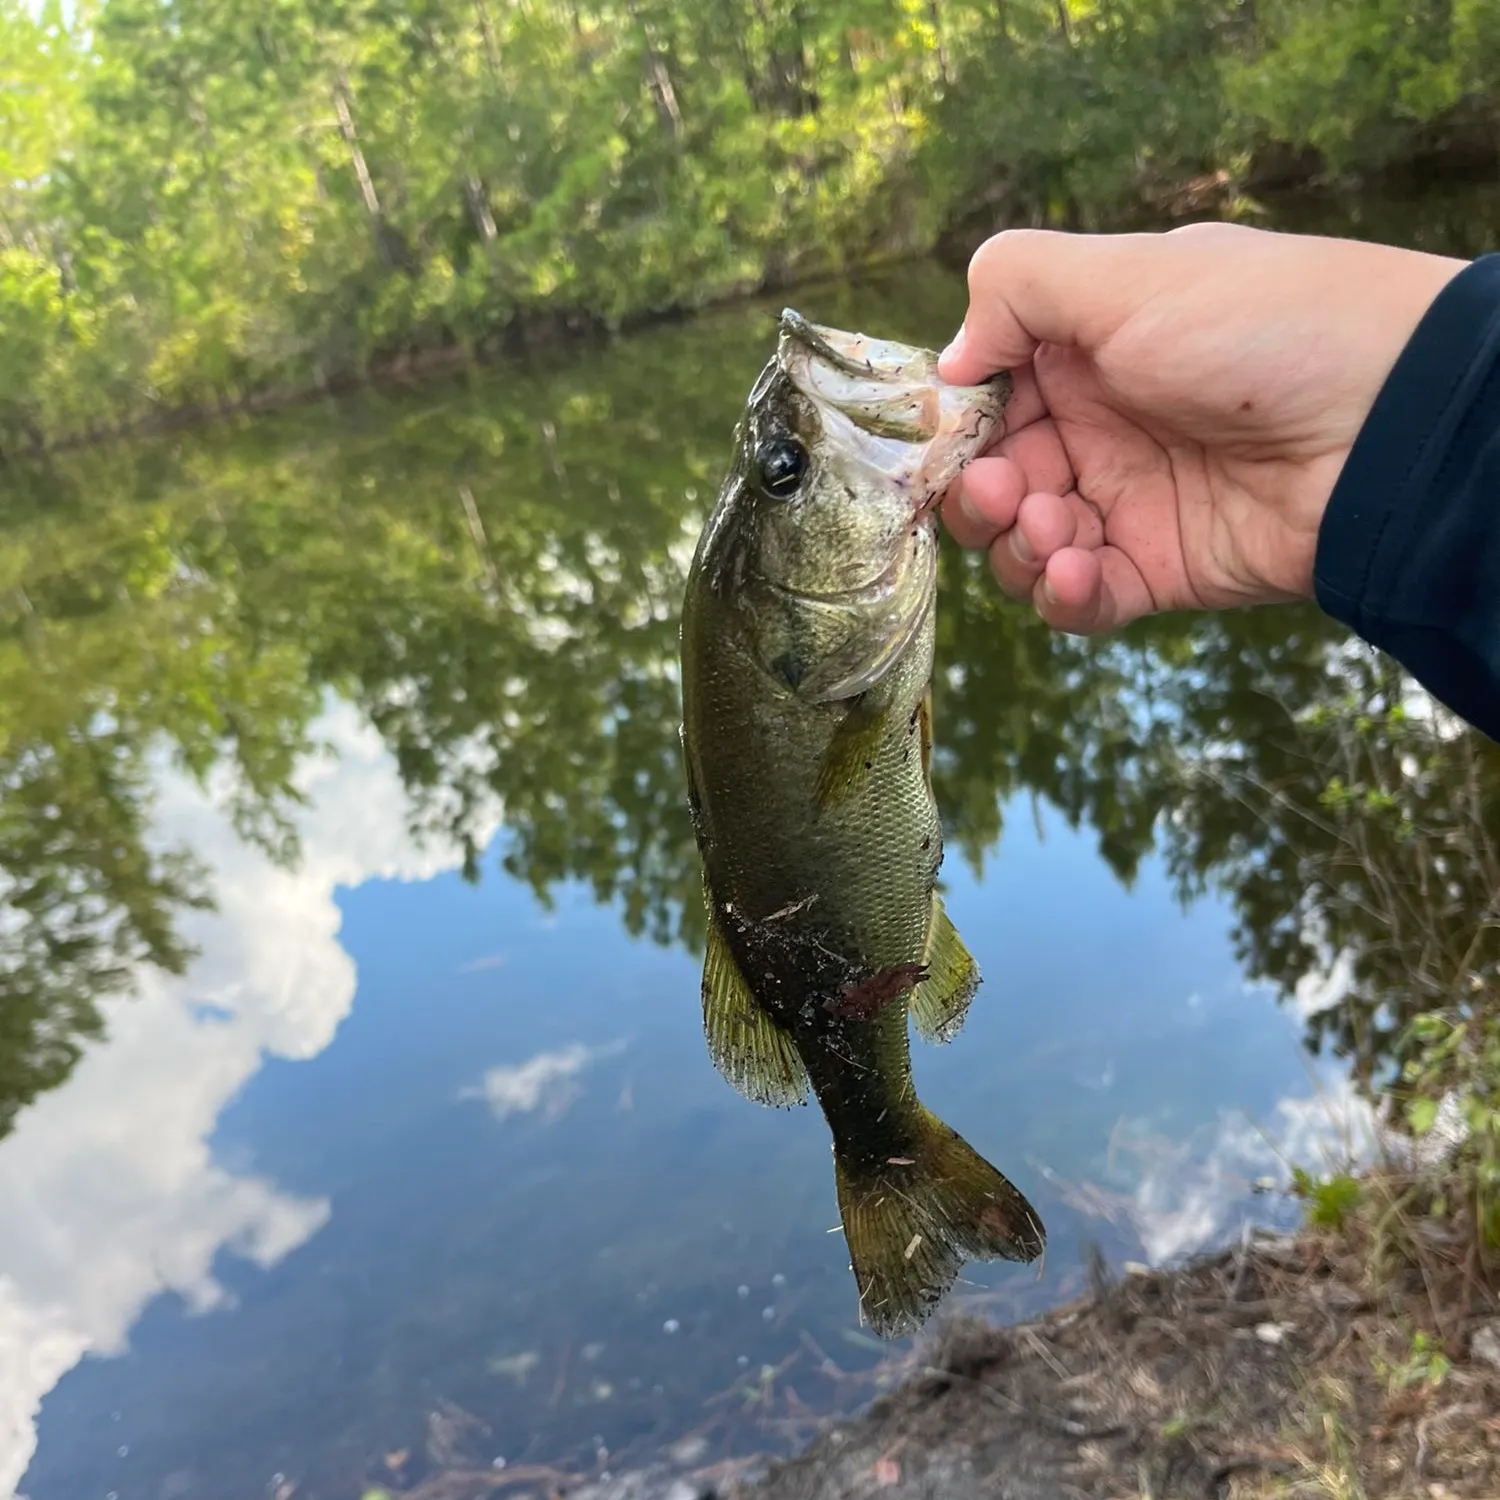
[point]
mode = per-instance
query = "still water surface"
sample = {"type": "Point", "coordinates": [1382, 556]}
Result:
{"type": "Point", "coordinates": [350, 1055]}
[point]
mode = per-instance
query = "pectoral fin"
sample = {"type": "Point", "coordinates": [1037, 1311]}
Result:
{"type": "Point", "coordinates": [752, 1052]}
{"type": "Point", "coordinates": [940, 1003]}
{"type": "Point", "coordinates": [851, 751]}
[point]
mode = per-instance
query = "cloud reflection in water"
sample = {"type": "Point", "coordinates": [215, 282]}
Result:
{"type": "Point", "coordinates": [109, 1193]}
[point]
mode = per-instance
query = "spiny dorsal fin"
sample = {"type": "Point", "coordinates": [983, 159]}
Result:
{"type": "Point", "coordinates": [912, 1220]}
{"type": "Point", "coordinates": [748, 1048]}
{"type": "Point", "coordinates": [851, 751]}
{"type": "Point", "coordinates": [940, 1003]}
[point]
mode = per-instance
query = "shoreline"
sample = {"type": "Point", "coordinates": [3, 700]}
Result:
{"type": "Point", "coordinates": [1277, 177]}
{"type": "Point", "coordinates": [526, 336]}
{"type": "Point", "coordinates": [1342, 1361]}
{"type": "Point", "coordinates": [1283, 1366]}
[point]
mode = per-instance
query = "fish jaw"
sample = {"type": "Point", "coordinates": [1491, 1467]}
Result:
{"type": "Point", "coordinates": [884, 404]}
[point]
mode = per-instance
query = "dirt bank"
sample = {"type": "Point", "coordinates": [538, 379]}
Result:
{"type": "Point", "coordinates": [1284, 1367]}
{"type": "Point", "coordinates": [1349, 1363]}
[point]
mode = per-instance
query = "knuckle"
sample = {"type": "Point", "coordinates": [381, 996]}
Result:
{"type": "Point", "coordinates": [988, 262]}
{"type": "Point", "coordinates": [1210, 232]}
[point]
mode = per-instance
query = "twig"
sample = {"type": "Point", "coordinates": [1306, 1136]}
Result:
{"type": "Point", "coordinates": [825, 1365]}
{"type": "Point", "coordinates": [767, 1379]}
{"type": "Point", "coordinates": [1241, 1262]}
{"type": "Point", "coordinates": [1046, 1356]}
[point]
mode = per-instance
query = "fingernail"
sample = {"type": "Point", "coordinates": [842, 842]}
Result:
{"type": "Point", "coordinates": [1047, 593]}
{"type": "Point", "coordinates": [955, 347]}
{"type": "Point", "coordinates": [1020, 548]}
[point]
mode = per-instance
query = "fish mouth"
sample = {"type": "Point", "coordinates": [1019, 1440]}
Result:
{"type": "Point", "coordinates": [885, 405]}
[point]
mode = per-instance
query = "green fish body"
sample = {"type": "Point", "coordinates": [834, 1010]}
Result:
{"type": "Point", "coordinates": [807, 648]}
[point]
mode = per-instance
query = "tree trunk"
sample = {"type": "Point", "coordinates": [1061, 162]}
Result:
{"type": "Point", "coordinates": [479, 208]}
{"type": "Point", "coordinates": [487, 36]}
{"type": "Point", "coordinates": [734, 20]}
{"type": "Point", "coordinates": [1064, 27]}
{"type": "Point", "coordinates": [659, 81]}
{"type": "Point", "coordinates": [342, 103]}
{"type": "Point", "coordinates": [935, 14]}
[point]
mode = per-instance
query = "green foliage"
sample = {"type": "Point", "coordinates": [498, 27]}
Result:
{"type": "Point", "coordinates": [1330, 1200]}
{"type": "Point", "coordinates": [1353, 78]}
{"type": "Point", "coordinates": [1454, 1055]}
{"type": "Point", "coordinates": [1359, 823]}
{"type": "Point", "coordinates": [1424, 1364]}
{"type": "Point", "coordinates": [199, 199]}
{"type": "Point", "coordinates": [31, 295]}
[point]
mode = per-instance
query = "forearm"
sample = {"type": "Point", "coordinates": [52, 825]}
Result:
{"type": "Point", "coordinates": [1409, 549]}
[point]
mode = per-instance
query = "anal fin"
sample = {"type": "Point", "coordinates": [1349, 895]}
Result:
{"type": "Point", "coordinates": [940, 1003]}
{"type": "Point", "coordinates": [751, 1051]}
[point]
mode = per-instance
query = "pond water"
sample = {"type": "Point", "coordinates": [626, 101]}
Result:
{"type": "Point", "coordinates": [358, 1120]}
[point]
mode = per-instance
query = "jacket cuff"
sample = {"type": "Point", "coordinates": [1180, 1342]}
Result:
{"type": "Point", "coordinates": [1395, 553]}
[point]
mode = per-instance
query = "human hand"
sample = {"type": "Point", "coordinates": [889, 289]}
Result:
{"type": "Point", "coordinates": [1183, 406]}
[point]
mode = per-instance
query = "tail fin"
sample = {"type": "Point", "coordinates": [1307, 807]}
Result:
{"type": "Point", "coordinates": [910, 1223]}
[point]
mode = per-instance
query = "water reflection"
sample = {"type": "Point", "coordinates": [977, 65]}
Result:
{"type": "Point", "coordinates": [109, 1192]}
{"type": "Point", "coordinates": [546, 1083]}
{"type": "Point", "coordinates": [1192, 1188]}
{"type": "Point", "coordinates": [490, 576]}
{"type": "Point", "coordinates": [244, 670]}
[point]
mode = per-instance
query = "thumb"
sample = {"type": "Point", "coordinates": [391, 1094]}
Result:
{"type": "Point", "coordinates": [1036, 286]}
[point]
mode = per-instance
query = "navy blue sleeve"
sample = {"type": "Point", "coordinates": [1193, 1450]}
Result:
{"type": "Point", "coordinates": [1409, 549]}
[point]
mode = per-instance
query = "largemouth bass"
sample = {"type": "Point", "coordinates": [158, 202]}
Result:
{"type": "Point", "coordinates": [807, 647]}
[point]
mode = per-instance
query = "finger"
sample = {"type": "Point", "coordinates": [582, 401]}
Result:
{"type": "Point", "coordinates": [1033, 286]}
{"type": "Point", "coordinates": [984, 501]}
{"type": "Point", "coordinates": [1039, 453]}
{"type": "Point", "coordinates": [1087, 592]}
{"type": "Point", "coordinates": [1044, 524]}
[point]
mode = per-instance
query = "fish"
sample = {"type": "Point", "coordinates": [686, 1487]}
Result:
{"type": "Point", "coordinates": [807, 637]}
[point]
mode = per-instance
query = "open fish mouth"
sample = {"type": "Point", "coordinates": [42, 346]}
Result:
{"type": "Point", "coordinates": [885, 405]}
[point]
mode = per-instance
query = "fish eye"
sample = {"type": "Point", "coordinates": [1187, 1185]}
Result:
{"type": "Point", "coordinates": [783, 462]}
